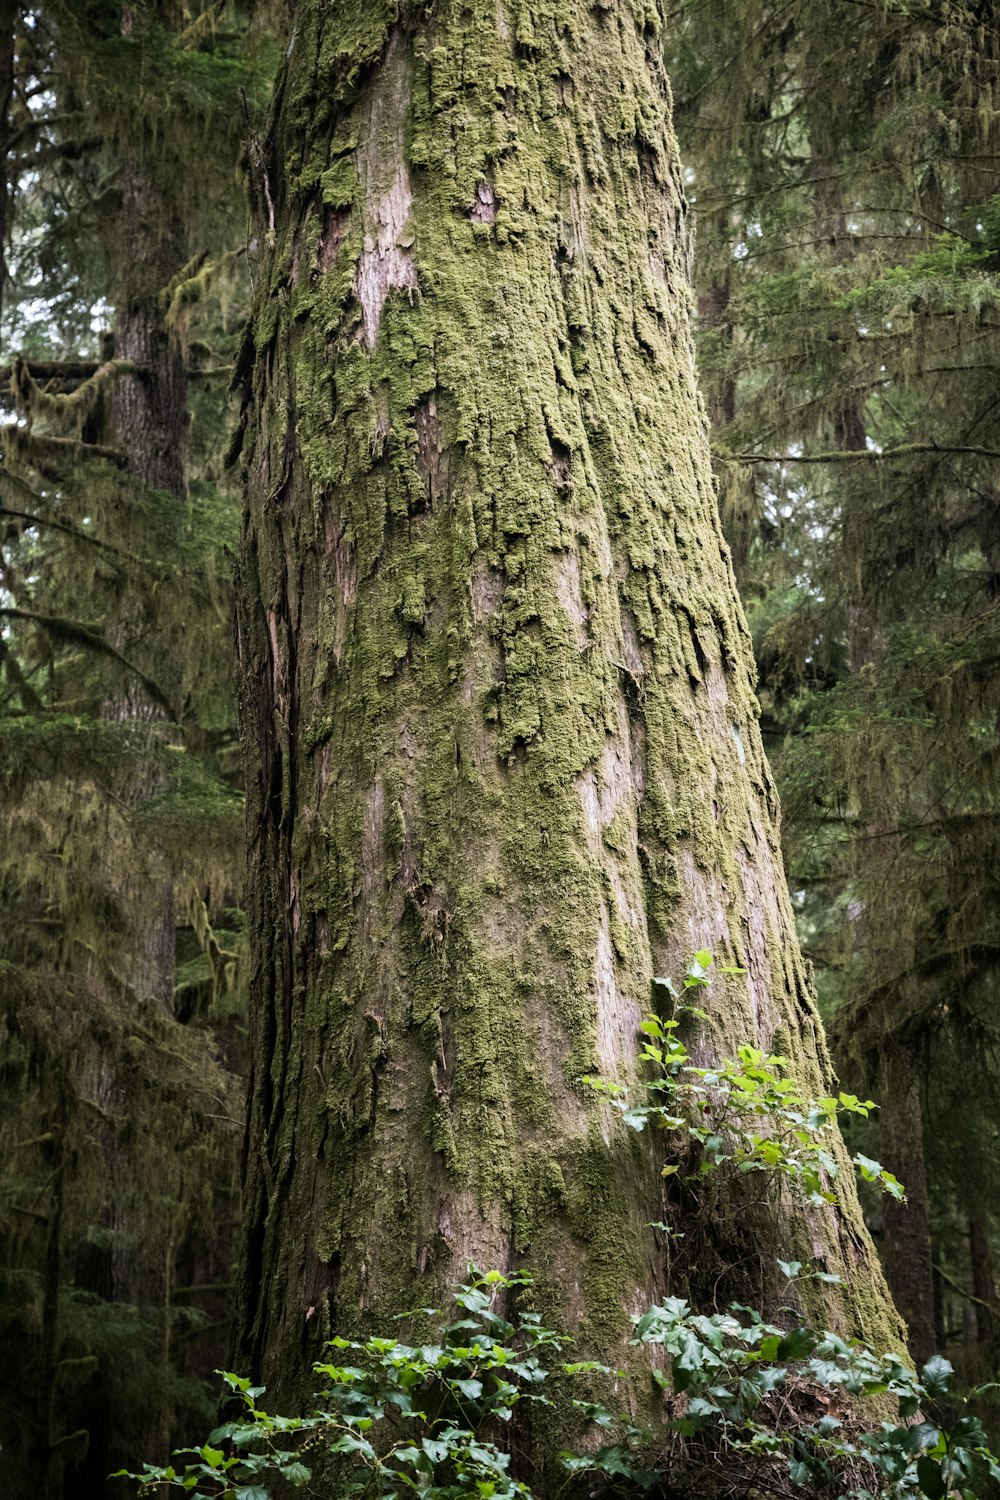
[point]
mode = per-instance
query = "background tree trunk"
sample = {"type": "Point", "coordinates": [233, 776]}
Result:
{"type": "Point", "coordinates": [8, 44]}
{"type": "Point", "coordinates": [984, 1290]}
{"type": "Point", "coordinates": [501, 736]}
{"type": "Point", "coordinates": [907, 1246]}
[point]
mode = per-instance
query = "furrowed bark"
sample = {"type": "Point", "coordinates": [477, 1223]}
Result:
{"type": "Point", "coordinates": [497, 699]}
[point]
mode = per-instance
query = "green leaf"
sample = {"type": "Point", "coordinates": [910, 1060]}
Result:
{"type": "Point", "coordinates": [348, 1443]}
{"type": "Point", "coordinates": [472, 1389]}
{"type": "Point", "coordinates": [797, 1344]}
{"type": "Point", "coordinates": [935, 1375]}
{"type": "Point", "coordinates": [931, 1479]}
{"type": "Point", "coordinates": [873, 1171]}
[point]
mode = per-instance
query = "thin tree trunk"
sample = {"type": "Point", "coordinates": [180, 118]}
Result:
{"type": "Point", "coordinates": [907, 1244]}
{"type": "Point", "coordinates": [8, 48]}
{"type": "Point", "coordinates": [983, 1289]}
{"type": "Point", "coordinates": [149, 410]}
{"type": "Point", "coordinates": [48, 1469]}
{"type": "Point", "coordinates": [147, 422]}
{"type": "Point", "coordinates": [497, 700]}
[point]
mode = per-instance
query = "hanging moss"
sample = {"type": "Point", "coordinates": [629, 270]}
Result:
{"type": "Point", "coordinates": [122, 959]}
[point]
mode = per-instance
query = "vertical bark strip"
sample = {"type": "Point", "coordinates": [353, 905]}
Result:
{"type": "Point", "coordinates": [983, 1288]}
{"type": "Point", "coordinates": [497, 693]}
{"type": "Point", "coordinates": [907, 1246]}
{"type": "Point", "coordinates": [149, 409]}
{"type": "Point", "coordinates": [8, 51]}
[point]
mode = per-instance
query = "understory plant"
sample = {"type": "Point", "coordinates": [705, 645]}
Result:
{"type": "Point", "coordinates": [777, 1407]}
{"type": "Point", "coordinates": [740, 1116]}
{"type": "Point", "coordinates": [783, 1408]}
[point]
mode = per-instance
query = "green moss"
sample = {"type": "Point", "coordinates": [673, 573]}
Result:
{"type": "Point", "coordinates": [499, 560]}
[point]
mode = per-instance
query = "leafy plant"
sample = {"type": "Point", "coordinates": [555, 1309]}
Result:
{"type": "Point", "coordinates": [399, 1417]}
{"type": "Point", "coordinates": [743, 1116]}
{"type": "Point", "coordinates": [784, 1403]}
{"type": "Point", "coordinates": [787, 1404]}
{"type": "Point", "coordinates": [781, 1406]}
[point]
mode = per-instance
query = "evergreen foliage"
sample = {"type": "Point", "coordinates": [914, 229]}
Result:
{"type": "Point", "coordinates": [843, 158]}
{"type": "Point", "coordinates": [120, 800]}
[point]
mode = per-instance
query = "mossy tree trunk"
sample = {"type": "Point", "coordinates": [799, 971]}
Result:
{"type": "Point", "coordinates": [497, 693]}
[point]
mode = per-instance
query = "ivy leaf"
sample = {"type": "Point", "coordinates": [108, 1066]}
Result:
{"type": "Point", "coordinates": [931, 1479]}
{"type": "Point", "coordinates": [935, 1375]}
{"type": "Point", "coordinates": [472, 1389]}
{"type": "Point", "coordinates": [797, 1344]}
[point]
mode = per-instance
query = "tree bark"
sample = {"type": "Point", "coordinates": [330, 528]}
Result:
{"type": "Point", "coordinates": [146, 422]}
{"type": "Point", "coordinates": [149, 410]}
{"type": "Point", "coordinates": [8, 51]}
{"type": "Point", "coordinates": [983, 1290]}
{"type": "Point", "coordinates": [907, 1247]}
{"type": "Point", "coordinates": [497, 698]}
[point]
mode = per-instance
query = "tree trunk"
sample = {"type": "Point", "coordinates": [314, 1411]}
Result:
{"type": "Point", "coordinates": [984, 1291]}
{"type": "Point", "coordinates": [907, 1249]}
{"type": "Point", "coordinates": [147, 423]}
{"type": "Point", "coordinates": [8, 49]}
{"type": "Point", "coordinates": [149, 409]}
{"type": "Point", "coordinates": [497, 697]}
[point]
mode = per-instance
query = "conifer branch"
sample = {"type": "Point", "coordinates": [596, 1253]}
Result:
{"type": "Point", "coordinates": [55, 525]}
{"type": "Point", "coordinates": [52, 455]}
{"type": "Point", "coordinates": [30, 398]}
{"type": "Point", "coordinates": [68, 369]}
{"type": "Point", "coordinates": [860, 455]}
{"type": "Point", "coordinates": [62, 629]}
